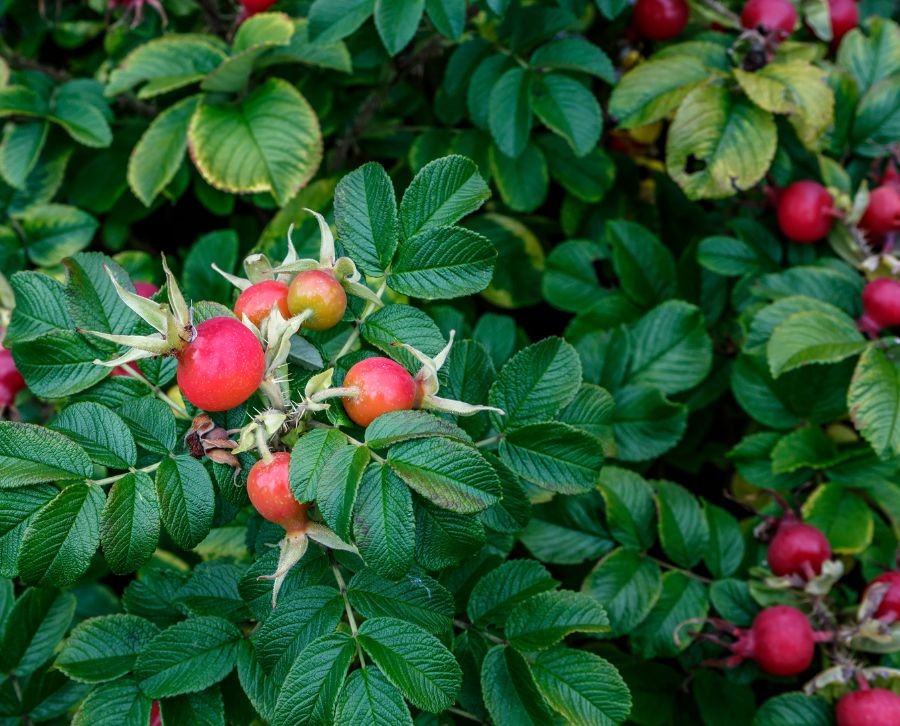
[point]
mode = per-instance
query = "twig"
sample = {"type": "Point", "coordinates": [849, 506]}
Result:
{"type": "Point", "coordinates": [351, 619]}
{"type": "Point", "coordinates": [111, 479]}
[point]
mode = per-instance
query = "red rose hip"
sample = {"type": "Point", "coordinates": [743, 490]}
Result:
{"type": "Point", "coordinates": [382, 385]}
{"type": "Point", "coordinates": [145, 289]}
{"type": "Point", "coordinates": [269, 489]}
{"type": "Point", "coordinates": [882, 215]}
{"type": "Point", "coordinates": [869, 707]}
{"type": "Point", "coordinates": [11, 381]}
{"type": "Point", "coordinates": [774, 17]}
{"type": "Point", "coordinates": [660, 19]}
{"type": "Point", "coordinates": [798, 549]}
{"type": "Point", "coordinates": [805, 211]}
{"type": "Point", "coordinates": [257, 301]}
{"type": "Point", "coordinates": [222, 366]}
{"type": "Point", "coordinates": [320, 292]}
{"type": "Point", "coordinates": [781, 641]}
{"type": "Point", "coordinates": [889, 607]}
{"type": "Point", "coordinates": [881, 305]}
{"type": "Point", "coordinates": [844, 18]}
{"type": "Point", "coordinates": [251, 7]}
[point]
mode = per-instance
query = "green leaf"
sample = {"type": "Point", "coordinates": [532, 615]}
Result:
{"type": "Point", "coordinates": [213, 590]}
{"type": "Point", "coordinates": [114, 704]}
{"type": "Point", "coordinates": [443, 538]}
{"type": "Point", "coordinates": [567, 530]}
{"type": "Point", "coordinates": [478, 94]}
{"type": "Point", "coordinates": [451, 474]}
{"type": "Point", "coordinates": [414, 661]}
{"type": "Point", "coordinates": [53, 232]}
{"type": "Point", "coordinates": [646, 423]}
{"type": "Point", "coordinates": [719, 144]}
{"type": "Point", "coordinates": [152, 424]}
{"type": "Point", "coordinates": [584, 688]}
{"type": "Point", "coordinates": [91, 298]}
{"type": "Point", "coordinates": [513, 511]}
{"type": "Point", "coordinates": [509, 690]}
{"type": "Point", "coordinates": [338, 486]}
{"type": "Point", "coordinates": [670, 348]}
{"type": "Point", "coordinates": [497, 593]}
{"type": "Point", "coordinates": [158, 155]}
{"type": "Point", "coordinates": [129, 524]}
{"type": "Point", "coordinates": [397, 22]}
{"type": "Point", "coordinates": [40, 307]}
{"type": "Point", "coordinates": [812, 337]}
{"type": "Point", "coordinates": [368, 698]}
{"type": "Point", "coordinates": [682, 598]}
{"type": "Point", "coordinates": [310, 689]}
{"type": "Point", "coordinates": [187, 657]}
{"type": "Point", "coordinates": [628, 585]}
{"type": "Point", "coordinates": [523, 181]}
{"type": "Point", "coordinates": [536, 383]}
{"type": "Point", "coordinates": [308, 458]}
{"type": "Point", "coordinates": [20, 151]}
{"type": "Point", "coordinates": [416, 598]}
{"type": "Point", "coordinates": [442, 193]}
{"type": "Point", "coordinates": [645, 267]}
{"type": "Point", "coordinates": [683, 531]}
{"type": "Point", "coordinates": [877, 121]}
{"type": "Point", "coordinates": [365, 214]}
{"type": "Point", "coordinates": [103, 434]}
{"type": "Point", "coordinates": [255, 36]}
{"type": "Point", "coordinates": [588, 178]}
{"type": "Point", "coordinates": [655, 88]}
{"type": "Point", "coordinates": [873, 55]}
{"type": "Point", "coordinates": [543, 620]}
{"type": "Point", "coordinates": [443, 263]}
{"type": "Point", "coordinates": [574, 54]}
{"type": "Point", "coordinates": [404, 324]}
{"type": "Point", "coordinates": [395, 426]}
{"type": "Point", "coordinates": [726, 542]}
{"type": "Point", "coordinates": [294, 624]}
{"type": "Point", "coordinates": [874, 401]}
{"type": "Point", "coordinates": [199, 279]}
{"type": "Point", "coordinates": [843, 516]}
{"type": "Point", "coordinates": [570, 282]}
{"type": "Point", "coordinates": [554, 456]}
{"type": "Point", "coordinates": [31, 454]}
{"type": "Point", "coordinates": [732, 600]}
{"type": "Point", "coordinates": [60, 541]}
{"type": "Point", "coordinates": [630, 508]}
{"type": "Point", "coordinates": [510, 111]}
{"type": "Point", "coordinates": [34, 627]}
{"type": "Point", "coordinates": [17, 508]}
{"type": "Point", "coordinates": [78, 107]}
{"type": "Point", "coordinates": [205, 708]}
{"type": "Point", "coordinates": [104, 648]}
{"type": "Point", "coordinates": [383, 523]}
{"type": "Point", "coordinates": [730, 256]}
{"type": "Point", "coordinates": [331, 20]}
{"type": "Point", "coordinates": [186, 498]}
{"type": "Point", "coordinates": [807, 447]}
{"type": "Point", "coordinates": [569, 109]}
{"type": "Point", "coordinates": [166, 64]}
{"type": "Point", "coordinates": [448, 16]}
{"type": "Point", "coordinates": [276, 132]}
{"type": "Point", "coordinates": [794, 709]}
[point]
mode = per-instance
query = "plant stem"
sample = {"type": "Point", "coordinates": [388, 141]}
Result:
{"type": "Point", "coordinates": [463, 625]}
{"type": "Point", "coordinates": [670, 566]}
{"type": "Point", "coordinates": [111, 479]}
{"type": "Point", "coordinates": [488, 441]}
{"type": "Point", "coordinates": [351, 619]}
{"type": "Point", "coordinates": [354, 335]}
{"type": "Point", "coordinates": [464, 714]}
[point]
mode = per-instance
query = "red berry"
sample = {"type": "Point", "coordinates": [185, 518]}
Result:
{"type": "Point", "coordinates": [889, 607]}
{"type": "Point", "coordinates": [320, 292]}
{"type": "Point", "coordinates": [660, 19]}
{"type": "Point", "coordinates": [844, 18]}
{"type": "Point", "coordinates": [383, 386]}
{"type": "Point", "coordinates": [11, 381]}
{"type": "Point", "coordinates": [871, 707]}
{"type": "Point", "coordinates": [257, 301]}
{"type": "Point", "coordinates": [883, 213]}
{"type": "Point", "coordinates": [797, 549]}
{"type": "Point", "coordinates": [780, 640]}
{"type": "Point", "coordinates": [251, 7]}
{"type": "Point", "coordinates": [145, 289]}
{"type": "Point", "coordinates": [269, 489]}
{"type": "Point", "coordinates": [155, 717]}
{"type": "Point", "coordinates": [805, 211]}
{"type": "Point", "coordinates": [881, 304]}
{"type": "Point", "coordinates": [773, 16]}
{"type": "Point", "coordinates": [222, 366]}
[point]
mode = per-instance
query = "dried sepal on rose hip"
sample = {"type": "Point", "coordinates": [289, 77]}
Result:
{"type": "Point", "coordinates": [315, 291]}
{"type": "Point", "coordinates": [206, 439]}
{"type": "Point", "coordinates": [220, 361]}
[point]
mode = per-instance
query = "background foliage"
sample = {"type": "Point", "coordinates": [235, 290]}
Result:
{"type": "Point", "coordinates": [608, 256]}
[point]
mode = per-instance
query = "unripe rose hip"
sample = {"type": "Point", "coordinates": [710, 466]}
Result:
{"type": "Point", "coordinates": [382, 385]}
{"type": "Point", "coordinates": [257, 301]}
{"type": "Point", "coordinates": [320, 292]}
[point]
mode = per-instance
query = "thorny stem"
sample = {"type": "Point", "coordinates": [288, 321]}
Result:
{"type": "Point", "coordinates": [463, 625]}
{"type": "Point", "coordinates": [670, 566]}
{"type": "Point", "coordinates": [354, 335]}
{"type": "Point", "coordinates": [159, 392]}
{"type": "Point", "coordinates": [262, 445]}
{"type": "Point", "coordinates": [111, 479]}
{"type": "Point", "coordinates": [351, 618]}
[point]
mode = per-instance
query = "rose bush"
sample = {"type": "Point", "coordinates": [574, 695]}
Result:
{"type": "Point", "coordinates": [505, 362]}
